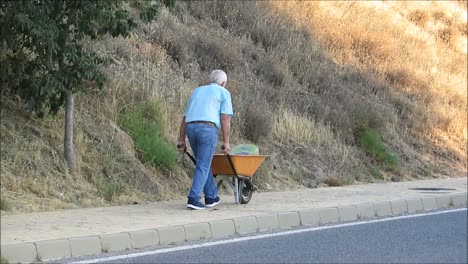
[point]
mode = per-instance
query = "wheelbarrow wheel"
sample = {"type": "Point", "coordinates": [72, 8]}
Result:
{"type": "Point", "coordinates": [245, 193]}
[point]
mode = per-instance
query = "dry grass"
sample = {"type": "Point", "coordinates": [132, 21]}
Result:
{"type": "Point", "coordinates": [300, 75]}
{"type": "Point", "coordinates": [419, 17]}
{"type": "Point", "coordinates": [257, 123]}
{"type": "Point", "coordinates": [448, 36]}
{"type": "Point", "coordinates": [290, 127]}
{"type": "Point", "coordinates": [419, 73]}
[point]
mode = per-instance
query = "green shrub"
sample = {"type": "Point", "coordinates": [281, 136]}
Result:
{"type": "Point", "coordinates": [365, 118]}
{"type": "Point", "coordinates": [371, 142]}
{"type": "Point", "coordinates": [170, 3]}
{"type": "Point", "coordinates": [109, 188]}
{"type": "Point", "coordinates": [4, 204]}
{"type": "Point", "coordinates": [144, 123]}
{"type": "Point", "coordinates": [376, 173]}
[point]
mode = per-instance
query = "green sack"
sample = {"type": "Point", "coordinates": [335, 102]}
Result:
{"type": "Point", "coordinates": [245, 149]}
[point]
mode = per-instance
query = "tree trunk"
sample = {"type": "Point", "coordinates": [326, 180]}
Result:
{"type": "Point", "coordinates": [68, 138]}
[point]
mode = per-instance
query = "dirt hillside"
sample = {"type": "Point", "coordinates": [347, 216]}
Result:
{"type": "Point", "coordinates": [335, 92]}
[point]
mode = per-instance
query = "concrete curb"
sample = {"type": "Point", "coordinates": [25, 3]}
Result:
{"type": "Point", "coordinates": [414, 205]}
{"type": "Point", "coordinates": [245, 225]}
{"type": "Point", "coordinates": [115, 242]}
{"type": "Point", "coordinates": [197, 231]}
{"type": "Point", "coordinates": [144, 238]}
{"type": "Point", "coordinates": [267, 222]}
{"type": "Point", "coordinates": [399, 207]}
{"type": "Point", "coordinates": [83, 246]}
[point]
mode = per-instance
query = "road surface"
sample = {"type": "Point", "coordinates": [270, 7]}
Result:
{"type": "Point", "coordinates": [438, 237]}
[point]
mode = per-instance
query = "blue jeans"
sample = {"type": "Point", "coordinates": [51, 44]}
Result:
{"type": "Point", "coordinates": [203, 139]}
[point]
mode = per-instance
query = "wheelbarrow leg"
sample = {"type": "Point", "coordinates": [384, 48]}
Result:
{"type": "Point", "coordinates": [236, 190]}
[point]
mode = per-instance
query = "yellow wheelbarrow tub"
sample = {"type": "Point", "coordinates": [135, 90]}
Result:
{"type": "Point", "coordinates": [244, 165]}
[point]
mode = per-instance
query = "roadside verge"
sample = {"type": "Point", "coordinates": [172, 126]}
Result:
{"type": "Point", "coordinates": [46, 250]}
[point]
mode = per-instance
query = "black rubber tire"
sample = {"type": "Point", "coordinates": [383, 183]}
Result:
{"type": "Point", "coordinates": [245, 194]}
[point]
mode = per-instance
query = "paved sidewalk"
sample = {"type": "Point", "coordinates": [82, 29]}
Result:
{"type": "Point", "coordinates": [161, 216]}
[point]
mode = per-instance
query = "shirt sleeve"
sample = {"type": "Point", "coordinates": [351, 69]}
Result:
{"type": "Point", "coordinates": [226, 104]}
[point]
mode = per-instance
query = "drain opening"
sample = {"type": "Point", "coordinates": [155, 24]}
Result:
{"type": "Point", "coordinates": [432, 189]}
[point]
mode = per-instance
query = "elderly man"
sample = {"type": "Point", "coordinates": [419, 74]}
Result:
{"type": "Point", "coordinates": [208, 109]}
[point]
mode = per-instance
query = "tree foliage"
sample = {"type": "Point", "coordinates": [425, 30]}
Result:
{"type": "Point", "coordinates": [42, 52]}
{"type": "Point", "coordinates": [43, 58]}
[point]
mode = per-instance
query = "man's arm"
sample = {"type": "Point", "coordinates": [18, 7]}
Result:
{"type": "Point", "coordinates": [182, 134]}
{"type": "Point", "coordinates": [226, 128]}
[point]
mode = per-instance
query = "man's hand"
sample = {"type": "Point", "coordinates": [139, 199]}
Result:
{"type": "Point", "coordinates": [226, 148]}
{"type": "Point", "coordinates": [182, 147]}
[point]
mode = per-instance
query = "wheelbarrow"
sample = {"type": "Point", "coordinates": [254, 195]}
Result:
{"type": "Point", "coordinates": [237, 170]}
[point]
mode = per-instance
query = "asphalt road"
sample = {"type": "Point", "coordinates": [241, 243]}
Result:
{"type": "Point", "coordinates": [438, 238]}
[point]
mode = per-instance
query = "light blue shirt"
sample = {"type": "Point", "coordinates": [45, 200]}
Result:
{"type": "Point", "coordinates": [207, 103]}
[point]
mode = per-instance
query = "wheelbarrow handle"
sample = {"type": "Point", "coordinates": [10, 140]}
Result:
{"type": "Point", "coordinates": [179, 146]}
{"type": "Point", "coordinates": [191, 157]}
{"type": "Point", "coordinates": [230, 161]}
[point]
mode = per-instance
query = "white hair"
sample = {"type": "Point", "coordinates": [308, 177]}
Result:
{"type": "Point", "coordinates": [218, 76]}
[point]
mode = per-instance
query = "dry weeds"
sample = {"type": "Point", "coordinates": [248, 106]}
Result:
{"type": "Point", "coordinates": [308, 65]}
